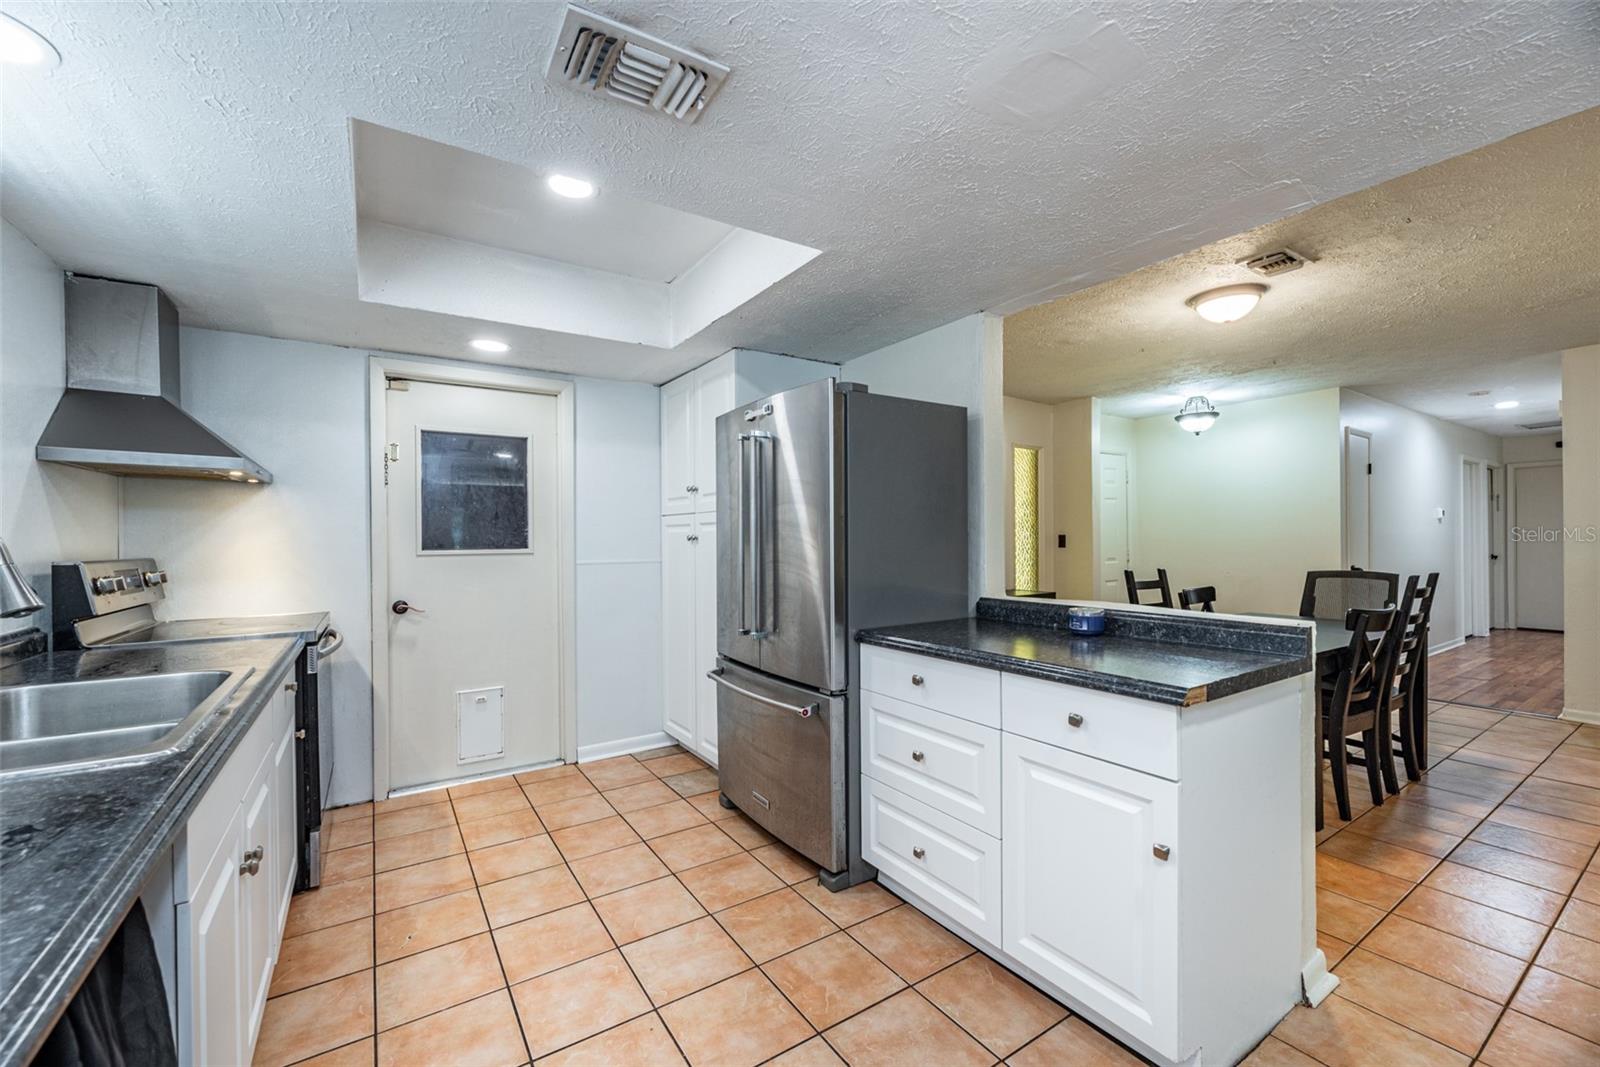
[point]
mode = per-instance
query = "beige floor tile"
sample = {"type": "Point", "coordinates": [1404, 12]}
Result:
{"type": "Point", "coordinates": [412, 820]}
{"type": "Point", "coordinates": [406, 850]}
{"type": "Point", "coordinates": [746, 832]}
{"type": "Point", "coordinates": [1560, 1001]}
{"type": "Point", "coordinates": [481, 1032]}
{"type": "Point", "coordinates": [1581, 918]}
{"type": "Point", "coordinates": [488, 805]}
{"type": "Point", "coordinates": [849, 906]}
{"type": "Point", "coordinates": [424, 881]}
{"type": "Point", "coordinates": [1333, 949]}
{"type": "Point", "coordinates": [1506, 894]}
{"type": "Point", "coordinates": [771, 925]}
{"type": "Point", "coordinates": [904, 1029]}
{"type": "Point", "coordinates": [1357, 882]}
{"type": "Point", "coordinates": [1576, 957]}
{"type": "Point", "coordinates": [640, 795]}
{"type": "Point", "coordinates": [679, 961]}
{"type": "Point", "coordinates": [1077, 1043]}
{"type": "Point", "coordinates": [726, 882]}
{"type": "Point", "coordinates": [356, 1054]}
{"type": "Point", "coordinates": [647, 909]}
{"type": "Point", "coordinates": [786, 863]}
{"type": "Point", "coordinates": [1274, 1053]}
{"type": "Point", "coordinates": [618, 869]}
{"type": "Point", "coordinates": [566, 1006]}
{"type": "Point", "coordinates": [1346, 919]}
{"type": "Point", "coordinates": [499, 862]}
{"type": "Point", "coordinates": [564, 813]}
{"type": "Point", "coordinates": [1436, 1009]}
{"type": "Point", "coordinates": [320, 955]}
{"type": "Point", "coordinates": [347, 865]}
{"type": "Point", "coordinates": [1377, 855]}
{"type": "Point", "coordinates": [482, 785]}
{"type": "Point", "coordinates": [498, 829]}
{"type": "Point", "coordinates": [693, 783]}
{"type": "Point", "coordinates": [1487, 926]}
{"type": "Point", "coordinates": [911, 943]}
{"type": "Point", "coordinates": [694, 846]}
{"type": "Point", "coordinates": [410, 800]}
{"type": "Point", "coordinates": [667, 766]}
{"type": "Point", "coordinates": [814, 1053]}
{"type": "Point", "coordinates": [1341, 1033]}
{"type": "Point", "coordinates": [556, 789]}
{"type": "Point", "coordinates": [736, 1023]}
{"type": "Point", "coordinates": [1449, 958]}
{"type": "Point", "coordinates": [593, 838]}
{"type": "Point", "coordinates": [544, 774]}
{"type": "Point", "coordinates": [1520, 1041]}
{"type": "Point", "coordinates": [1514, 865]}
{"type": "Point", "coordinates": [308, 1021]}
{"type": "Point", "coordinates": [330, 905]}
{"type": "Point", "coordinates": [348, 811]}
{"type": "Point", "coordinates": [832, 979]}
{"type": "Point", "coordinates": [643, 1042]}
{"type": "Point", "coordinates": [625, 771]}
{"type": "Point", "coordinates": [527, 895]}
{"type": "Point", "coordinates": [428, 924]}
{"type": "Point", "coordinates": [347, 833]}
{"type": "Point", "coordinates": [707, 804]}
{"type": "Point", "coordinates": [430, 981]}
{"type": "Point", "coordinates": [664, 819]}
{"type": "Point", "coordinates": [993, 1005]}
{"type": "Point", "coordinates": [657, 753]}
{"type": "Point", "coordinates": [1549, 825]}
{"type": "Point", "coordinates": [551, 941]}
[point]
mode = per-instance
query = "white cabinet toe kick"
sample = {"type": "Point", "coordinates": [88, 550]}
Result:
{"type": "Point", "coordinates": [1142, 863]}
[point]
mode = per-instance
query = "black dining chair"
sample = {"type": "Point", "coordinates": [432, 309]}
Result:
{"type": "Point", "coordinates": [1357, 705]}
{"type": "Point", "coordinates": [1203, 595]}
{"type": "Point", "coordinates": [1334, 594]}
{"type": "Point", "coordinates": [1408, 697]}
{"type": "Point", "coordinates": [1135, 587]}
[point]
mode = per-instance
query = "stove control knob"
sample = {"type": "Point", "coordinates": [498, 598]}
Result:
{"type": "Point", "coordinates": [109, 584]}
{"type": "Point", "coordinates": [155, 577]}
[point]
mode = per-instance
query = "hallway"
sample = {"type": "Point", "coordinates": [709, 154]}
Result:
{"type": "Point", "coordinates": [1512, 670]}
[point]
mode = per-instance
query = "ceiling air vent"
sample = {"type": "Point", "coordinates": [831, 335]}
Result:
{"type": "Point", "coordinates": [1553, 424]}
{"type": "Point", "coordinates": [599, 55]}
{"type": "Point", "coordinates": [1272, 264]}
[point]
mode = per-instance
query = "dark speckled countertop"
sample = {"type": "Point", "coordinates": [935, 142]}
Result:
{"type": "Point", "coordinates": [76, 845]}
{"type": "Point", "coordinates": [1170, 657]}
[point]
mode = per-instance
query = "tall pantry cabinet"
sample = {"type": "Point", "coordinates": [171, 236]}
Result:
{"type": "Point", "coordinates": [689, 409]}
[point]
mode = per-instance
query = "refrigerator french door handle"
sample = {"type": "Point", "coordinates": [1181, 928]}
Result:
{"type": "Point", "coordinates": [754, 531]}
{"type": "Point", "coordinates": [805, 711]}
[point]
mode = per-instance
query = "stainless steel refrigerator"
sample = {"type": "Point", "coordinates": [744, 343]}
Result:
{"type": "Point", "coordinates": [838, 510]}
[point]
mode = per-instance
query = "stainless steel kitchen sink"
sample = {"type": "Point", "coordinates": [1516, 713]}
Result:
{"type": "Point", "coordinates": [62, 724]}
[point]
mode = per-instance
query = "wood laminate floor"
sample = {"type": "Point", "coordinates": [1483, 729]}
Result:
{"type": "Point", "coordinates": [1513, 670]}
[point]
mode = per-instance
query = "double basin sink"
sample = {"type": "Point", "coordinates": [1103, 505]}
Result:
{"type": "Point", "coordinates": [62, 725]}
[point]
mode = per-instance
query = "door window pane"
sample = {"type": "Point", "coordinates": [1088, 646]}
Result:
{"type": "Point", "coordinates": [473, 492]}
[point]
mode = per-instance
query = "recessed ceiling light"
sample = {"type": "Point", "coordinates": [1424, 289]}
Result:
{"type": "Point", "coordinates": [572, 188]}
{"type": "Point", "coordinates": [489, 344]}
{"type": "Point", "coordinates": [25, 47]}
{"type": "Point", "coordinates": [1228, 304]}
{"type": "Point", "coordinates": [1507, 405]}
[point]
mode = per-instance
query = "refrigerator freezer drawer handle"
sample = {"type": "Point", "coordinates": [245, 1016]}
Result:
{"type": "Point", "coordinates": [804, 711]}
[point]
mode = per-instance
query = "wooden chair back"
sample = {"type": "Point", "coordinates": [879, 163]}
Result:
{"type": "Point", "coordinates": [1203, 595]}
{"type": "Point", "coordinates": [1159, 582]}
{"type": "Point", "coordinates": [1334, 594]}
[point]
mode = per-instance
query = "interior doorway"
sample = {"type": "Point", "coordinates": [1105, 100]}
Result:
{"type": "Point", "coordinates": [1116, 553]}
{"type": "Point", "coordinates": [1535, 543]}
{"type": "Point", "coordinates": [1473, 548]}
{"type": "Point", "coordinates": [1357, 498]}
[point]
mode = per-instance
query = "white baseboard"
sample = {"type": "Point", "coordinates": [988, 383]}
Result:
{"type": "Point", "coordinates": [1581, 715]}
{"type": "Point", "coordinates": [1434, 650]}
{"type": "Point", "coordinates": [624, 746]}
{"type": "Point", "coordinates": [1316, 979]}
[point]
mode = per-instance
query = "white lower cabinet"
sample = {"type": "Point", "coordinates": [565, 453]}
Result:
{"type": "Point", "coordinates": [689, 630]}
{"type": "Point", "coordinates": [211, 1019]}
{"type": "Point", "coordinates": [1091, 883]}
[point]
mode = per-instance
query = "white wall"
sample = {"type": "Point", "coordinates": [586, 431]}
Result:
{"type": "Point", "coordinates": [1530, 448]}
{"type": "Point", "coordinates": [1032, 425]}
{"type": "Point", "coordinates": [1580, 558]}
{"type": "Point", "coordinates": [959, 363]}
{"type": "Point", "coordinates": [1416, 468]}
{"type": "Point", "coordinates": [48, 512]}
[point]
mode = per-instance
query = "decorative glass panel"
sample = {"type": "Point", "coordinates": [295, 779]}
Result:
{"type": "Point", "coordinates": [1025, 515]}
{"type": "Point", "coordinates": [473, 492]}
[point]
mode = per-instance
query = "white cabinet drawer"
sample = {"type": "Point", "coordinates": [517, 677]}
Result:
{"type": "Point", "coordinates": [949, 763]}
{"type": "Point", "coordinates": [1121, 730]}
{"type": "Point", "coordinates": [953, 866]}
{"type": "Point", "coordinates": [971, 693]}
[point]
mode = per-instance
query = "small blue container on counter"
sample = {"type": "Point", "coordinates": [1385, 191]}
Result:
{"type": "Point", "coordinates": [1086, 620]}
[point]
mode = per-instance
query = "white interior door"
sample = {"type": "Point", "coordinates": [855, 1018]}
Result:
{"type": "Point", "coordinates": [474, 637]}
{"type": "Point", "coordinates": [1474, 548]}
{"type": "Point", "coordinates": [1357, 499]}
{"type": "Point", "coordinates": [1114, 548]}
{"type": "Point", "coordinates": [1536, 529]}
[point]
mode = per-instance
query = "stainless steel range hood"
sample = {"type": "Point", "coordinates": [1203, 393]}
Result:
{"type": "Point", "coordinates": [121, 411]}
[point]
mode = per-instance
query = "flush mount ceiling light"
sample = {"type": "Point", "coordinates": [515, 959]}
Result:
{"type": "Point", "coordinates": [1507, 405]}
{"type": "Point", "coordinates": [1228, 304]}
{"type": "Point", "coordinates": [25, 47]}
{"type": "Point", "coordinates": [569, 187]}
{"type": "Point", "coordinates": [489, 344]}
{"type": "Point", "coordinates": [1197, 415]}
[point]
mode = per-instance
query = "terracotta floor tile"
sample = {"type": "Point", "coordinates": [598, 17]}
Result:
{"type": "Point", "coordinates": [1581, 918]}
{"type": "Point", "coordinates": [487, 805]}
{"type": "Point", "coordinates": [724, 883]}
{"type": "Point", "coordinates": [1424, 794]}
{"type": "Point", "coordinates": [1485, 758]}
{"type": "Point", "coordinates": [347, 864]}
{"type": "Point", "coordinates": [1571, 955]}
{"type": "Point", "coordinates": [1588, 888]}
{"type": "Point", "coordinates": [498, 829]}
{"type": "Point", "coordinates": [481, 1032]}
{"type": "Point", "coordinates": [1434, 1008]}
{"type": "Point", "coordinates": [1405, 834]}
{"type": "Point", "coordinates": [593, 838]}
{"type": "Point", "coordinates": [320, 955]}
{"type": "Point", "coordinates": [647, 909]}
{"type": "Point", "coordinates": [1333, 949]}
{"type": "Point", "coordinates": [499, 862]}
{"type": "Point", "coordinates": [692, 783]}
{"type": "Point", "coordinates": [564, 813]}
{"type": "Point", "coordinates": [1515, 865]}
{"type": "Point", "coordinates": [411, 820]}
{"type": "Point", "coordinates": [1575, 769]}
{"type": "Point", "coordinates": [1528, 901]}
{"type": "Point", "coordinates": [743, 830]}
{"type": "Point", "coordinates": [657, 753]}
{"type": "Point", "coordinates": [347, 811]}
{"type": "Point", "coordinates": [832, 979]}
{"type": "Point", "coordinates": [771, 925]}
{"type": "Point", "coordinates": [392, 853]}
{"type": "Point", "coordinates": [550, 941]}
{"type": "Point", "coordinates": [1379, 855]}
{"type": "Point", "coordinates": [710, 806]}
{"type": "Point", "coordinates": [1523, 1042]}
{"type": "Point", "coordinates": [736, 1023]}
{"type": "Point", "coordinates": [617, 869]}
{"type": "Point", "coordinates": [1475, 718]}
{"type": "Point", "coordinates": [616, 775]}
{"type": "Point", "coordinates": [813, 1053]}
{"type": "Point", "coordinates": [308, 1021]}
{"type": "Point", "coordinates": [786, 863]}
{"type": "Point", "coordinates": [1476, 922]}
{"type": "Point", "coordinates": [427, 982]}
{"type": "Point", "coordinates": [679, 961]}
{"type": "Point", "coordinates": [910, 942]}
{"type": "Point", "coordinates": [664, 819]}
{"type": "Point", "coordinates": [993, 1005]}
{"type": "Point", "coordinates": [1558, 798]}
{"type": "Point", "coordinates": [356, 1054]}
{"type": "Point", "coordinates": [1341, 1033]}
{"type": "Point", "coordinates": [566, 1006]}
{"type": "Point", "coordinates": [429, 924]}
{"type": "Point", "coordinates": [1560, 1001]}
{"type": "Point", "coordinates": [643, 1042]}
{"type": "Point", "coordinates": [667, 766]}
{"type": "Point", "coordinates": [544, 774]}
{"type": "Point", "coordinates": [554, 790]}
{"type": "Point", "coordinates": [1357, 882]}
{"type": "Point", "coordinates": [347, 833]}
{"type": "Point", "coordinates": [904, 1029]}
{"type": "Point", "coordinates": [482, 785]}
{"type": "Point", "coordinates": [408, 885]}
{"type": "Point", "coordinates": [1549, 825]}
{"type": "Point", "coordinates": [641, 795]}
{"type": "Point", "coordinates": [527, 895]}
{"type": "Point", "coordinates": [694, 846]}
{"type": "Point", "coordinates": [1074, 1042]}
{"type": "Point", "coordinates": [1449, 958]}
{"type": "Point", "coordinates": [1346, 919]}
{"type": "Point", "coordinates": [1567, 853]}
{"type": "Point", "coordinates": [849, 906]}
{"type": "Point", "coordinates": [410, 800]}
{"type": "Point", "coordinates": [328, 906]}
{"type": "Point", "coordinates": [1274, 1053]}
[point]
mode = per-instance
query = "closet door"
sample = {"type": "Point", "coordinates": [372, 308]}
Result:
{"type": "Point", "coordinates": [678, 444]}
{"type": "Point", "coordinates": [705, 641]}
{"type": "Point", "coordinates": [679, 632]}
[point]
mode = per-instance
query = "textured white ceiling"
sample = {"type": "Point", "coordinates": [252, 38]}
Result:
{"type": "Point", "coordinates": [1468, 275]}
{"type": "Point", "coordinates": [205, 147]}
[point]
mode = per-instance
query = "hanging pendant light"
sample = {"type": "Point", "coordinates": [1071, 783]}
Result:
{"type": "Point", "coordinates": [1197, 415]}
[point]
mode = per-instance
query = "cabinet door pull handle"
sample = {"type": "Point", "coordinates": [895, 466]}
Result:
{"type": "Point", "coordinates": [1074, 719]}
{"type": "Point", "coordinates": [691, 488]}
{"type": "Point", "coordinates": [1161, 852]}
{"type": "Point", "coordinates": [692, 538]}
{"type": "Point", "coordinates": [918, 851]}
{"type": "Point", "coordinates": [916, 679]}
{"type": "Point", "coordinates": [916, 756]}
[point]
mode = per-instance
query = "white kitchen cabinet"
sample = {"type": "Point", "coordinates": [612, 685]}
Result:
{"type": "Point", "coordinates": [680, 686]}
{"type": "Point", "coordinates": [705, 636]}
{"type": "Point", "coordinates": [211, 1015]}
{"type": "Point", "coordinates": [284, 855]}
{"type": "Point", "coordinates": [257, 908]}
{"type": "Point", "coordinates": [713, 395]}
{"type": "Point", "coordinates": [678, 452]}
